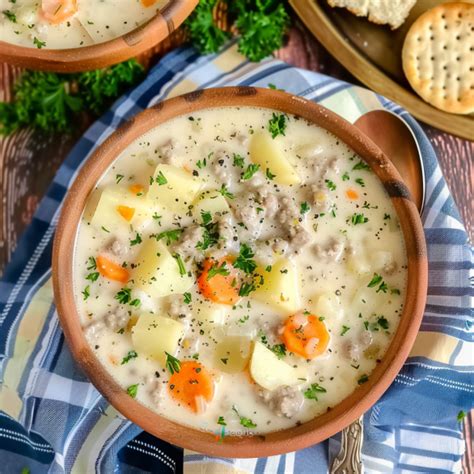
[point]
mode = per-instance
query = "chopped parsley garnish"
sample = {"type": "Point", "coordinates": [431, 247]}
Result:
{"type": "Point", "coordinates": [10, 15]}
{"type": "Point", "coordinates": [383, 322]}
{"type": "Point", "coordinates": [132, 390]}
{"type": "Point", "coordinates": [118, 178]}
{"type": "Point", "coordinates": [170, 235]}
{"type": "Point", "coordinates": [246, 288]}
{"type": "Point", "coordinates": [156, 217]}
{"type": "Point", "coordinates": [361, 166]}
{"type": "Point", "coordinates": [245, 422]}
{"type": "Point", "coordinates": [201, 163]}
{"type": "Point", "coordinates": [135, 302]}
{"type": "Point", "coordinates": [244, 319]}
{"type": "Point", "coordinates": [344, 329]}
{"type": "Point", "coordinates": [311, 393]}
{"type": "Point", "coordinates": [131, 355]}
{"type": "Point", "coordinates": [330, 185]}
{"type": "Point", "coordinates": [360, 182]}
{"type": "Point", "coordinates": [38, 43]}
{"type": "Point", "coordinates": [386, 217]}
{"type": "Point", "coordinates": [277, 125]}
{"type": "Point", "coordinates": [364, 378]}
{"type": "Point", "coordinates": [376, 279]}
{"type": "Point", "coordinates": [225, 192]}
{"type": "Point", "coordinates": [345, 176]}
{"type": "Point", "coordinates": [161, 179]}
{"type": "Point", "coordinates": [187, 298]}
{"type": "Point", "coordinates": [179, 261]}
{"type": "Point", "coordinates": [279, 350]}
{"type": "Point", "coordinates": [461, 415]}
{"type": "Point", "coordinates": [93, 276]}
{"type": "Point", "coordinates": [137, 240]}
{"type": "Point", "coordinates": [218, 270]}
{"type": "Point", "coordinates": [124, 296]}
{"type": "Point", "coordinates": [172, 364]}
{"type": "Point", "coordinates": [105, 229]}
{"type": "Point", "coordinates": [269, 174]}
{"type": "Point", "coordinates": [86, 292]}
{"type": "Point", "coordinates": [92, 265]}
{"type": "Point", "coordinates": [358, 219]}
{"type": "Point", "coordinates": [206, 217]}
{"type": "Point", "coordinates": [245, 260]}
{"type": "Point", "coordinates": [250, 171]}
{"type": "Point", "coordinates": [394, 291]}
{"type": "Point", "coordinates": [238, 161]}
{"type": "Point", "coordinates": [221, 421]}
{"type": "Point", "coordinates": [304, 207]}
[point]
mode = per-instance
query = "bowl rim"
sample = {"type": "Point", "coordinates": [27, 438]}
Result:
{"type": "Point", "coordinates": [101, 55]}
{"type": "Point", "coordinates": [291, 439]}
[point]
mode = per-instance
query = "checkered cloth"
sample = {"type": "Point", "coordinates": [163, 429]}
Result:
{"type": "Point", "coordinates": [53, 420]}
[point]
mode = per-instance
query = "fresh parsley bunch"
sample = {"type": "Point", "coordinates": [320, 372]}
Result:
{"type": "Point", "coordinates": [49, 101]}
{"type": "Point", "coordinates": [261, 25]}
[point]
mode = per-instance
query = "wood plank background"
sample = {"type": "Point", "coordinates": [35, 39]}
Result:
{"type": "Point", "coordinates": [29, 160]}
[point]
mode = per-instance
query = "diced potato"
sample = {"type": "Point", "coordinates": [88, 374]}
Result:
{"type": "Point", "coordinates": [280, 287]}
{"type": "Point", "coordinates": [232, 354]}
{"type": "Point", "coordinates": [210, 313]}
{"type": "Point", "coordinates": [117, 208]}
{"type": "Point", "coordinates": [155, 335]}
{"type": "Point", "coordinates": [157, 271]}
{"type": "Point", "coordinates": [267, 152]}
{"type": "Point", "coordinates": [210, 201]}
{"type": "Point", "coordinates": [179, 191]}
{"type": "Point", "coordinates": [358, 263]}
{"type": "Point", "coordinates": [269, 371]}
{"type": "Point", "coordinates": [327, 305]}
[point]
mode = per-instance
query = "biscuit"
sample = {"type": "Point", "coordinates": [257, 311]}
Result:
{"type": "Point", "coordinates": [438, 57]}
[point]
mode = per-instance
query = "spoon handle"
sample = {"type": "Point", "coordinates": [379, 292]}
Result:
{"type": "Point", "coordinates": [348, 460]}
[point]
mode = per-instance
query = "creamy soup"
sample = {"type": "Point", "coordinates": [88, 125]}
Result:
{"type": "Point", "coordinates": [239, 270]}
{"type": "Point", "coordinates": [61, 24]}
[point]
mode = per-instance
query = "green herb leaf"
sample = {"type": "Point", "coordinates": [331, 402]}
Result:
{"type": "Point", "coordinates": [221, 421]}
{"type": "Point", "coordinates": [181, 266]}
{"type": "Point", "coordinates": [359, 219]}
{"type": "Point", "coordinates": [345, 176]}
{"type": "Point", "coordinates": [279, 350]}
{"type": "Point", "coordinates": [218, 270]}
{"type": "Point", "coordinates": [132, 390]}
{"type": "Point", "coordinates": [187, 298]}
{"type": "Point", "coordinates": [93, 276]}
{"type": "Point", "coordinates": [344, 329]}
{"type": "Point", "coordinates": [169, 235]}
{"type": "Point", "coordinates": [246, 288]}
{"type": "Point", "coordinates": [86, 292]}
{"type": "Point", "coordinates": [245, 422]}
{"type": "Point", "coordinates": [363, 379]}
{"type": "Point", "coordinates": [245, 261]}
{"type": "Point", "coordinates": [330, 185]}
{"type": "Point", "coordinates": [124, 295]}
{"type": "Point", "coordinates": [361, 165]}
{"type": "Point", "coordinates": [137, 240]}
{"type": "Point", "coordinates": [311, 393]}
{"type": "Point", "coordinates": [238, 161]}
{"type": "Point", "coordinates": [225, 192]}
{"type": "Point", "coordinates": [304, 208]}
{"type": "Point", "coordinates": [250, 171]}
{"type": "Point", "coordinates": [269, 175]}
{"type": "Point", "coordinates": [161, 179]}
{"type": "Point", "coordinates": [277, 125]}
{"type": "Point", "coordinates": [10, 15]}
{"type": "Point", "coordinates": [131, 355]}
{"type": "Point", "coordinates": [376, 279]}
{"type": "Point", "coordinates": [172, 364]}
{"type": "Point", "coordinates": [92, 265]}
{"type": "Point", "coordinates": [461, 415]}
{"type": "Point", "coordinates": [360, 182]}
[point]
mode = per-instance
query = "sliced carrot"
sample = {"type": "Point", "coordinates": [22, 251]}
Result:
{"type": "Point", "coordinates": [191, 382]}
{"type": "Point", "coordinates": [136, 188]}
{"type": "Point", "coordinates": [111, 270]}
{"type": "Point", "coordinates": [305, 335]}
{"type": "Point", "coordinates": [219, 288]}
{"type": "Point", "coordinates": [126, 212]}
{"type": "Point", "coordinates": [352, 194]}
{"type": "Point", "coordinates": [148, 3]}
{"type": "Point", "coordinates": [57, 11]}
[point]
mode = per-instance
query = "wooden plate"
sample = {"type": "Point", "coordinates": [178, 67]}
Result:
{"type": "Point", "coordinates": [372, 53]}
{"type": "Point", "coordinates": [103, 54]}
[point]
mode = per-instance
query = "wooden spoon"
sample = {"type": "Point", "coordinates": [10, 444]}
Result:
{"type": "Point", "coordinates": [393, 136]}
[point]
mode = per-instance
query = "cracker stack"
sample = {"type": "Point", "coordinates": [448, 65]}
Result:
{"type": "Point", "coordinates": [438, 57]}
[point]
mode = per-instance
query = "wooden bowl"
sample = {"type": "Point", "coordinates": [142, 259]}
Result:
{"type": "Point", "coordinates": [286, 440]}
{"type": "Point", "coordinates": [104, 54]}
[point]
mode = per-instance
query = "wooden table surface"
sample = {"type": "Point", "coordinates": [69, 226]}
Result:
{"type": "Point", "coordinates": [29, 160]}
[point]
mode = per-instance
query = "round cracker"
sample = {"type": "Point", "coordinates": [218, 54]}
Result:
{"type": "Point", "coordinates": [438, 57]}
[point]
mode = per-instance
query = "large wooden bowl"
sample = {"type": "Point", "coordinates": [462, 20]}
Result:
{"type": "Point", "coordinates": [287, 440]}
{"type": "Point", "coordinates": [104, 54]}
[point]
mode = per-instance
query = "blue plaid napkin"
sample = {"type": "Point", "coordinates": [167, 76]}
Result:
{"type": "Point", "coordinates": [53, 420]}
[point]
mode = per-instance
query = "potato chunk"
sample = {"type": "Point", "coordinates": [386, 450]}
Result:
{"type": "Point", "coordinates": [208, 313]}
{"type": "Point", "coordinates": [267, 152]}
{"type": "Point", "coordinates": [174, 188]}
{"type": "Point", "coordinates": [327, 305]}
{"type": "Point", "coordinates": [280, 287]}
{"type": "Point", "coordinates": [269, 371]}
{"type": "Point", "coordinates": [232, 354]}
{"type": "Point", "coordinates": [210, 201]}
{"type": "Point", "coordinates": [155, 335]}
{"type": "Point", "coordinates": [157, 272]}
{"type": "Point", "coordinates": [118, 207]}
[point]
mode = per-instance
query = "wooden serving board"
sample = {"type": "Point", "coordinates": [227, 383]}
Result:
{"type": "Point", "coordinates": [372, 53]}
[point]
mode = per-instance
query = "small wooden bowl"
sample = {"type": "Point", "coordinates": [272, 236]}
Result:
{"type": "Point", "coordinates": [290, 439]}
{"type": "Point", "coordinates": [104, 54]}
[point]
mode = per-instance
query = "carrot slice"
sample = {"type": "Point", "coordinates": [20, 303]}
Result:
{"type": "Point", "coordinates": [126, 212]}
{"type": "Point", "coordinates": [57, 11]}
{"type": "Point", "coordinates": [352, 194]}
{"type": "Point", "coordinates": [111, 270]}
{"type": "Point", "coordinates": [219, 288]}
{"type": "Point", "coordinates": [136, 188]}
{"type": "Point", "coordinates": [148, 3]}
{"type": "Point", "coordinates": [192, 385]}
{"type": "Point", "coordinates": [305, 335]}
